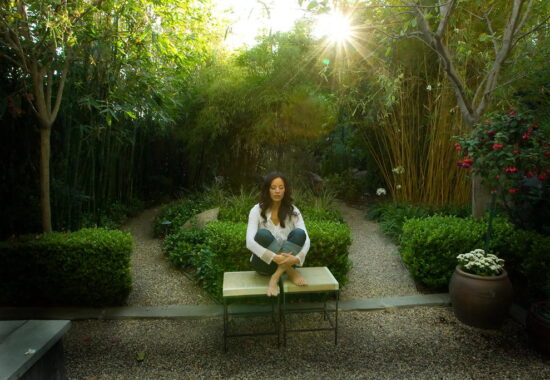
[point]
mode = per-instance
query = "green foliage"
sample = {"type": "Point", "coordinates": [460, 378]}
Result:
{"type": "Point", "coordinates": [536, 265]}
{"type": "Point", "coordinates": [89, 267]}
{"type": "Point", "coordinates": [392, 216]}
{"type": "Point", "coordinates": [512, 156]}
{"type": "Point", "coordinates": [429, 248]}
{"type": "Point", "coordinates": [221, 247]}
{"type": "Point", "coordinates": [430, 245]}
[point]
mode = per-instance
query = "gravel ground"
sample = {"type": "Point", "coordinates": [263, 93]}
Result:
{"type": "Point", "coordinates": [377, 267]}
{"type": "Point", "coordinates": [156, 282]}
{"type": "Point", "coordinates": [416, 343]}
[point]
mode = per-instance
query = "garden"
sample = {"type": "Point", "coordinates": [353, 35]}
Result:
{"type": "Point", "coordinates": [430, 120]}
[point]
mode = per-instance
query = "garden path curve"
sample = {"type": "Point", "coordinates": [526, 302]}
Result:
{"type": "Point", "coordinates": [156, 282]}
{"type": "Point", "coordinates": [377, 267]}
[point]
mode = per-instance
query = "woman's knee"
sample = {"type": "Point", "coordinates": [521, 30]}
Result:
{"type": "Point", "coordinates": [264, 237]}
{"type": "Point", "coordinates": [297, 236]}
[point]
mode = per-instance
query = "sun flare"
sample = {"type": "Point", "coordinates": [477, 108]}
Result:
{"type": "Point", "coordinates": [335, 26]}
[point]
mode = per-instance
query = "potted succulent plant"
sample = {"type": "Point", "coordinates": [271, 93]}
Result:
{"type": "Point", "coordinates": [480, 290]}
{"type": "Point", "coordinates": [538, 326]}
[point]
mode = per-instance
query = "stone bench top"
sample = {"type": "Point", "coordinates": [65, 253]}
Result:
{"type": "Point", "coordinates": [318, 279]}
{"type": "Point", "coordinates": [250, 283]}
{"type": "Point", "coordinates": [23, 342]}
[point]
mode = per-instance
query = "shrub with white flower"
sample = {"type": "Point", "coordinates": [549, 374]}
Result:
{"type": "Point", "coordinates": [380, 191]}
{"type": "Point", "coordinates": [480, 263]}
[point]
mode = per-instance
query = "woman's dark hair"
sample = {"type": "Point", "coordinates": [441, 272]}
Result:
{"type": "Point", "coordinates": [286, 208]}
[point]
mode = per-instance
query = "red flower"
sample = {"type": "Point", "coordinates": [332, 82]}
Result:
{"type": "Point", "coordinates": [494, 191]}
{"type": "Point", "coordinates": [459, 163]}
{"type": "Point", "coordinates": [513, 191]}
{"type": "Point", "coordinates": [497, 176]}
{"type": "Point", "coordinates": [542, 177]}
{"type": "Point", "coordinates": [511, 170]}
{"type": "Point", "coordinates": [547, 153]}
{"type": "Point", "coordinates": [512, 113]}
{"type": "Point", "coordinates": [491, 133]}
{"type": "Point", "coordinates": [498, 146]}
{"type": "Point", "coordinates": [525, 137]}
{"type": "Point", "coordinates": [469, 161]}
{"type": "Point", "coordinates": [458, 146]}
{"type": "Point", "coordinates": [466, 166]}
{"type": "Point", "coordinates": [515, 151]}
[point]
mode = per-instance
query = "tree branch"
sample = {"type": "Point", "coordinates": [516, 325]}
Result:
{"type": "Point", "coordinates": [446, 11]}
{"type": "Point", "coordinates": [501, 56]}
{"type": "Point", "coordinates": [60, 87]}
{"type": "Point", "coordinates": [437, 44]}
{"type": "Point", "coordinates": [532, 30]}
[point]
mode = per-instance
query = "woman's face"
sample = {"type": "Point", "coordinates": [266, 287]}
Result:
{"type": "Point", "coordinates": [277, 189]}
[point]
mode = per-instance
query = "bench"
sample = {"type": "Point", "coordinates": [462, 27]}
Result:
{"type": "Point", "coordinates": [251, 284]}
{"type": "Point", "coordinates": [32, 349]}
{"type": "Point", "coordinates": [247, 284]}
{"type": "Point", "coordinates": [319, 280]}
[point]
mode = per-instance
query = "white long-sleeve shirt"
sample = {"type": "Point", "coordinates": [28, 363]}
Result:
{"type": "Point", "coordinates": [256, 222]}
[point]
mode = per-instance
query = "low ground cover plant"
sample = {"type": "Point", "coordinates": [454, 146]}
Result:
{"type": "Point", "coordinates": [89, 267]}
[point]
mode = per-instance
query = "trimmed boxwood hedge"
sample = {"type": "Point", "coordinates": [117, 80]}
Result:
{"type": "Point", "coordinates": [429, 248]}
{"type": "Point", "coordinates": [89, 267]}
{"type": "Point", "coordinates": [221, 247]}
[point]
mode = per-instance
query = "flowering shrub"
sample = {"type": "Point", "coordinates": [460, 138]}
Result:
{"type": "Point", "coordinates": [511, 154]}
{"type": "Point", "coordinates": [480, 263]}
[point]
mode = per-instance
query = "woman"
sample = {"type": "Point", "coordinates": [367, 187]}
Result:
{"type": "Point", "coordinates": [276, 234]}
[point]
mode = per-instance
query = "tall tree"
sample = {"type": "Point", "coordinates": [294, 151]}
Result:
{"type": "Point", "coordinates": [39, 38]}
{"type": "Point", "coordinates": [506, 23]}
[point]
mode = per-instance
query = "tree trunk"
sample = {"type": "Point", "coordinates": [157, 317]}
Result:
{"type": "Point", "coordinates": [45, 205]}
{"type": "Point", "coordinates": [481, 198]}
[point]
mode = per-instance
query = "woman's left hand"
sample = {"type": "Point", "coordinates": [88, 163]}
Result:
{"type": "Point", "coordinates": [290, 259]}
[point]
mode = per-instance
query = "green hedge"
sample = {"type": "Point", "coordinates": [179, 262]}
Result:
{"type": "Point", "coordinates": [221, 247]}
{"type": "Point", "coordinates": [89, 267]}
{"type": "Point", "coordinates": [429, 248]}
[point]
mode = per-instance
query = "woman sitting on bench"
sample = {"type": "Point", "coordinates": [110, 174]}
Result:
{"type": "Point", "coordinates": [276, 234]}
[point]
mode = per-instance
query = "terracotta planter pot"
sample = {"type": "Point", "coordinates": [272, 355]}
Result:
{"type": "Point", "coordinates": [538, 328]}
{"type": "Point", "coordinates": [480, 301]}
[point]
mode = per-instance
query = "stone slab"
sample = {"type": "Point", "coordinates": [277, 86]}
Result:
{"type": "Point", "coordinates": [164, 312]}
{"type": "Point", "coordinates": [26, 344]}
{"type": "Point", "coordinates": [390, 302]}
{"type": "Point", "coordinates": [318, 279]}
{"type": "Point", "coordinates": [247, 283]}
{"type": "Point", "coordinates": [7, 327]}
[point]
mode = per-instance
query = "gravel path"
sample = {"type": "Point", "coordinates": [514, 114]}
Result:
{"type": "Point", "coordinates": [414, 343]}
{"type": "Point", "coordinates": [418, 343]}
{"type": "Point", "coordinates": [156, 282]}
{"type": "Point", "coordinates": [377, 267]}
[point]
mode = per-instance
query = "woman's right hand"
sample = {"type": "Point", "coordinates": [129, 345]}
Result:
{"type": "Point", "coordinates": [279, 259]}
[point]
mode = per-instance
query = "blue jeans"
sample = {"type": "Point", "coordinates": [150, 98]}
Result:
{"type": "Point", "coordinates": [293, 244]}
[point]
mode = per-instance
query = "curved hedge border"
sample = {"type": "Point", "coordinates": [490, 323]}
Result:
{"type": "Point", "coordinates": [221, 247]}
{"type": "Point", "coordinates": [89, 267]}
{"type": "Point", "coordinates": [429, 248]}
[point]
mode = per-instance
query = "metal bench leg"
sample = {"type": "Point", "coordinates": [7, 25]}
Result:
{"type": "Point", "coordinates": [283, 316]}
{"type": "Point", "coordinates": [225, 325]}
{"type": "Point", "coordinates": [336, 319]}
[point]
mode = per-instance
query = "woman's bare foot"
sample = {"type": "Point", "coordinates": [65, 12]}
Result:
{"type": "Point", "coordinates": [273, 288]}
{"type": "Point", "coordinates": [295, 277]}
